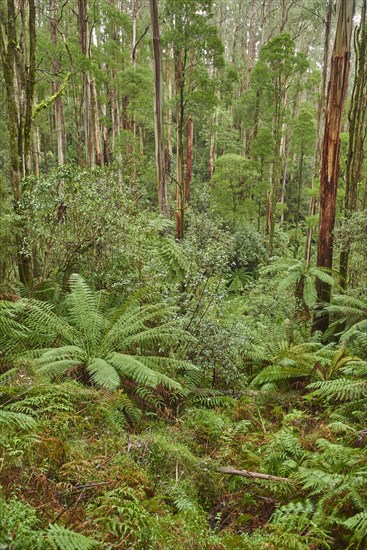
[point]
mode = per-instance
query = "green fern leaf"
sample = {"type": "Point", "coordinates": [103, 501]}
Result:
{"type": "Point", "coordinates": [103, 374]}
{"type": "Point", "coordinates": [62, 538]}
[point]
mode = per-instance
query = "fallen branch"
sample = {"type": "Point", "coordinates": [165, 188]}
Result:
{"type": "Point", "coordinates": [252, 475]}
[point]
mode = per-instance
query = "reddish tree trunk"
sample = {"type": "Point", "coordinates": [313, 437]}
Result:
{"type": "Point", "coordinates": [337, 89]}
{"type": "Point", "coordinates": [320, 124]}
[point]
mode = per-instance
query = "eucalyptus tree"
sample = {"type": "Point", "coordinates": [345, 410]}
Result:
{"type": "Point", "coordinates": [337, 91]}
{"type": "Point", "coordinates": [302, 145]}
{"type": "Point", "coordinates": [282, 63]}
{"type": "Point", "coordinates": [357, 135]}
{"type": "Point", "coordinates": [158, 110]}
{"type": "Point", "coordinates": [191, 35]}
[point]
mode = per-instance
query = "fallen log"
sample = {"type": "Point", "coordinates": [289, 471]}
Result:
{"type": "Point", "coordinates": [252, 475]}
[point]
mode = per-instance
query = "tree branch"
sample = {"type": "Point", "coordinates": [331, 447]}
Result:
{"type": "Point", "coordinates": [252, 475]}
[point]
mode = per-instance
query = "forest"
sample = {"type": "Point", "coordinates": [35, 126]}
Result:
{"type": "Point", "coordinates": [183, 272]}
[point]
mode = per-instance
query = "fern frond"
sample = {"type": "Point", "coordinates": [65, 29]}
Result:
{"type": "Point", "coordinates": [290, 280]}
{"type": "Point", "coordinates": [6, 376]}
{"type": "Point", "coordinates": [131, 321]}
{"type": "Point", "coordinates": [173, 256]}
{"type": "Point", "coordinates": [103, 374]}
{"type": "Point", "coordinates": [57, 368]}
{"type": "Point", "coordinates": [274, 373]}
{"type": "Point", "coordinates": [190, 372]}
{"type": "Point", "coordinates": [309, 292]}
{"type": "Point", "coordinates": [163, 334]}
{"type": "Point", "coordinates": [340, 389]}
{"type": "Point", "coordinates": [323, 276]}
{"type": "Point", "coordinates": [58, 354]}
{"type": "Point", "coordinates": [125, 404]}
{"type": "Point", "coordinates": [62, 538]}
{"type": "Point", "coordinates": [207, 398]}
{"type": "Point", "coordinates": [16, 419]}
{"type": "Point", "coordinates": [136, 370]}
{"type": "Point", "coordinates": [358, 524]}
{"type": "Point", "coordinates": [83, 309]}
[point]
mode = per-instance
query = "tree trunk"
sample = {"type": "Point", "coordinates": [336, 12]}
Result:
{"type": "Point", "coordinates": [105, 138]}
{"type": "Point", "coordinates": [55, 86]}
{"type": "Point", "coordinates": [320, 123]}
{"type": "Point", "coordinates": [37, 151]}
{"type": "Point", "coordinates": [357, 134]}
{"type": "Point", "coordinates": [96, 126]}
{"type": "Point", "coordinates": [189, 139]}
{"type": "Point", "coordinates": [275, 174]}
{"type": "Point", "coordinates": [213, 131]}
{"type": "Point", "coordinates": [158, 111]}
{"type": "Point", "coordinates": [189, 154]}
{"type": "Point", "coordinates": [30, 70]}
{"type": "Point", "coordinates": [338, 85]}
{"type": "Point", "coordinates": [169, 113]}
{"type": "Point", "coordinates": [251, 50]}
{"type": "Point", "coordinates": [88, 106]}
{"type": "Point", "coordinates": [180, 109]}
{"type": "Point", "coordinates": [283, 154]}
{"type": "Point", "coordinates": [19, 71]}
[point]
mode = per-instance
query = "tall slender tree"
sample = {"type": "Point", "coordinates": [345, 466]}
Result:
{"type": "Point", "coordinates": [337, 90]}
{"type": "Point", "coordinates": [320, 121]}
{"type": "Point", "coordinates": [158, 110]}
{"type": "Point", "coordinates": [357, 135]}
{"type": "Point", "coordinates": [18, 56]}
{"type": "Point", "coordinates": [55, 85]}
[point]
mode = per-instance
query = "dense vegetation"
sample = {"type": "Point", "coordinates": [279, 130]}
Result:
{"type": "Point", "coordinates": [183, 312]}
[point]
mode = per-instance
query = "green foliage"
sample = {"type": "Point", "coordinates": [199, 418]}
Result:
{"type": "Point", "coordinates": [121, 515]}
{"type": "Point", "coordinates": [308, 360]}
{"type": "Point", "coordinates": [65, 539]}
{"type": "Point", "coordinates": [301, 278]}
{"type": "Point", "coordinates": [231, 184]}
{"type": "Point", "coordinates": [99, 346]}
{"type": "Point", "coordinates": [123, 389]}
{"type": "Point", "coordinates": [348, 311]}
{"type": "Point", "coordinates": [286, 360]}
{"type": "Point", "coordinates": [238, 280]}
{"type": "Point", "coordinates": [19, 525]}
{"type": "Point", "coordinates": [11, 331]}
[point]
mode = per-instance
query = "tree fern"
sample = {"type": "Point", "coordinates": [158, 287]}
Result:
{"type": "Point", "coordinates": [299, 271]}
{"type": "Point", "coordinates": [238, 279]}
{"type": "Point", "coordinates": [341, 389]}
{"type": "Point", "coordinates": [287, 361]}
{"type": "Point", "coordinates": [11, 331]}
{"type": "Point", "coordinates": [103, 348]}
{"type": "Point", "coordinates": [348, 311]}
{"type": "Point", "coordinates": [308, 360]}
{"type": "Point", "coordinates": [348, 383]}
{"type": "Point", "coordinates": [173, 256]}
